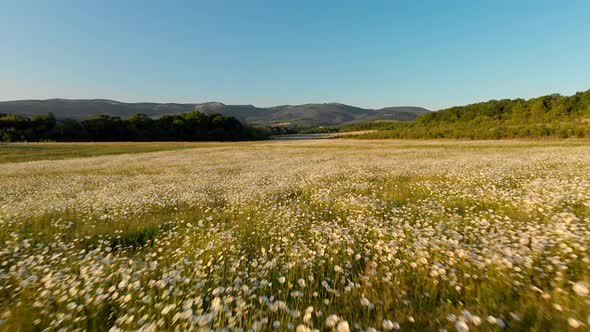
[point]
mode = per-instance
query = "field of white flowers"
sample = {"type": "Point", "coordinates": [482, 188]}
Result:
{"type": "Point", "coordinates": [328, 235]}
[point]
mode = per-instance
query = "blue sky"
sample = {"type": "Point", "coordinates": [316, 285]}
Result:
{"type": "Point", "coordinates": [433, 54]}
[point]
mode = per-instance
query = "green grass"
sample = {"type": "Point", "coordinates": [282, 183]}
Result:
{"type": "Point", "coordinates": [23, 152]}
{"type": "Point", "coordinates": [389, 216]}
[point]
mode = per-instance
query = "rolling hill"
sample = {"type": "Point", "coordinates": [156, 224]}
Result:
{"type": "Point", "coordinates": [551, 115]}
{"type": "Point", "coordinates": [301, 115]}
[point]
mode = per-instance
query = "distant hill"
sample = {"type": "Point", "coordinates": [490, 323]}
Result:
{"type": "Point", "coordinates": [302, 115]}
{"type": "Point", "coordinates": [80, 109]}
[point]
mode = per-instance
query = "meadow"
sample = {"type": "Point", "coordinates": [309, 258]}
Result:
{"type": "Point", "coordinates": [19, 152]}
{"type": "Point", "coordinates": [321, 235]}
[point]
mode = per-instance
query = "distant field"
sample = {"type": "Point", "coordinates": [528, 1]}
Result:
{"type": "Point", "coordinates": [292, 137]}
{"type": "Point", "coordinates": [325, 235]}
{"type": "Point", "coordinates": [19, 152]}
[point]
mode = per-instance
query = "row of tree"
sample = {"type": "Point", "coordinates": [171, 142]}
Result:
{"type": "Point", "coordinates": [192, 126]}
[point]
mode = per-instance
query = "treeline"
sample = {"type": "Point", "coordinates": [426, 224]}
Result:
{"type": "Point", "coordinates": [548, 116]}
{"type": "Point", "coordinates": [360, 126]}
{"type": "Point", "coordinates": [192, 126]}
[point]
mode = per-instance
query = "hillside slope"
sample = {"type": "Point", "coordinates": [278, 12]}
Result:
{"type": "Point", "coordinates": [80, 109]}
{"type": "Point", "coordinates": [302, 115]}
{"type": "Point", "coordinates": [550, 115]}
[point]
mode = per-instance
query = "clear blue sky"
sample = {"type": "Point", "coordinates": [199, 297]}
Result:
{"type": "Point", "coordinates": [433, 54]}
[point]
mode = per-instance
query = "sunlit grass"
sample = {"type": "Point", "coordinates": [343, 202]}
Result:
{"type": "Point", "coordinates": [21, 152]}
{"type": "Point", "coordinates": [301, 236]}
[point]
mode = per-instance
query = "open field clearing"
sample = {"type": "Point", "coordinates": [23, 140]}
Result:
{"type": "Point", "coordinates": [18, 152]}
{"type": "Point", "coordinates": [300, 235]}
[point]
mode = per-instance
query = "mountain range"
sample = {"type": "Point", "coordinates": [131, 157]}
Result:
{"type": "Point", "coordinates": [320, 114]}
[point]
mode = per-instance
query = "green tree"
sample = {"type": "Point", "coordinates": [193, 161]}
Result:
{"type": "Point", "coordinates": [6, 136]}
{"type": "Point", "coordinates": [538, 110]}
{"type": "Point", "coordinates": [520, 113]}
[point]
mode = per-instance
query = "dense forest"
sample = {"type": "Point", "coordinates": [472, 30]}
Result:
{"type": "Point", "coordinates": [191, 126]}
{"type": "Point", "coordinates": [548, 116]}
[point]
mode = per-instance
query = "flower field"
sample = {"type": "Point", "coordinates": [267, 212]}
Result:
{"type": "Point", "coordinates": [328, 235]}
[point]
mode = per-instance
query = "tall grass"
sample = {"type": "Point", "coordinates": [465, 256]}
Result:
{"type": "Point", "coordinates": [296, 235]}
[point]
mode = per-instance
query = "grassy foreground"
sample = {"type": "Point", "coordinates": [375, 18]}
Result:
{"type": "Point", "coordinates": [305, 235]}
{"type": "Point", "coordinates": [19, 152]}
